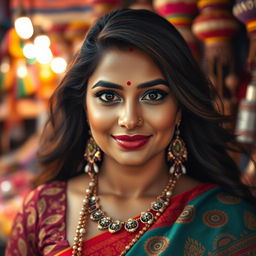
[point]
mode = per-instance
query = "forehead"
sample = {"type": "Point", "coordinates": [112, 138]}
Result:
{"type": "Point", "coordinates": [121, 66]}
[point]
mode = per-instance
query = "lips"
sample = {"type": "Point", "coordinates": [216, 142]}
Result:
{"type": "Point", "coordinates": [131, 142]}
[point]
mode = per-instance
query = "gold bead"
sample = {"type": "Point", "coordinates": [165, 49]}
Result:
{"type": "Point", "coordinates": [82, 230]}
{"type": "Point", "coordinates": [91, 184]}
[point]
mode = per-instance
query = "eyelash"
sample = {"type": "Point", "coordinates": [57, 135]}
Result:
{"type": "Point", "coordinates": [160, 96]}
{"type": "Point", "coordinates": [104, 93]}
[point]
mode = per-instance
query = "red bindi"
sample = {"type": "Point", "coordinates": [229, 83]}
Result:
{"type": "Point", "coordinates": [128, 83]}
{"type": "Point", "coordinates": [130, 49]}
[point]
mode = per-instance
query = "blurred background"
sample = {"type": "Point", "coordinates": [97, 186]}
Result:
{"type": "Point", "coordinates": [38, 40]}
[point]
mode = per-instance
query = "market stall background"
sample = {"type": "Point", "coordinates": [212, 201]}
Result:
{"type": "Point", "coordinates": [38, 39]}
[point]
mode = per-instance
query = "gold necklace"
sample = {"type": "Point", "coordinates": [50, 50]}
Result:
{"type": "Point", "coordinates": [91, 208]}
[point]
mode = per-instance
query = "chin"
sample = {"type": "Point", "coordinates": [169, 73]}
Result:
{"type": "Point", "coordinates": [132, 162]}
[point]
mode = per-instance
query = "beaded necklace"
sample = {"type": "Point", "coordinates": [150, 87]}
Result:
{"type": "Point", "coordinates": [92, 209]}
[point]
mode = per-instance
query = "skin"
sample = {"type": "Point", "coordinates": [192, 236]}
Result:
{"type": "Point", "coordinates": [129, 180]}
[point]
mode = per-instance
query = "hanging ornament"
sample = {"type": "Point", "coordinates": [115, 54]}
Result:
{"type": "Point", "coordinates": [180, 14]}
{"type": "Point", "coordinates": [215, 26]}
{"type": "Point", "coordinates": [245, 11]}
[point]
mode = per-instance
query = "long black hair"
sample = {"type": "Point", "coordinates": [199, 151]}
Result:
{"type": "Point", "coordinates": [66, 133]}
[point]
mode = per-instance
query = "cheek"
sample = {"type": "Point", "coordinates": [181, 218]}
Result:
{"type": "Point", "coordinates": [163, 118]}
{"type": "Point", "coordinates": [99, 119]}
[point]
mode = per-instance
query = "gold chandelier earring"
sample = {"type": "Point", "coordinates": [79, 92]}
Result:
{"type": "Point", "coordinates": [177, 154]}
{"type": "Point", "coordinates": [92, 156]}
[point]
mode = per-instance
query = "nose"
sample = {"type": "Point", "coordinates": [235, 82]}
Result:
{"type": "Point", "coordinates": [130, 116]}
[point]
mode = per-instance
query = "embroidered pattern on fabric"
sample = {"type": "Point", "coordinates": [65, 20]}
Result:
{"type": "Point", "coordinates": [245, 246]}
{"type": "Point", "coordinates": [193, 248]}
{"type": "Point", "coordinates": [187, 215]}
{"type": "Point", "coordinates": [51, 191]}
{"type": "Point", "coordinates": [22, 247]}
{"type": "Point", "coordinates": [51, 215]}
{"type": "Point", "coordinates": [215, 218]}
{"type": "Point", "coordinates": [31, 219]}
{"type": "Point", "coordinates": [250, 220]}
{"type": "Point", "coordinates": [156, 245]}
{"type": "Point", "coordinates": [228, 199]}
{"type": "Point", "coordinates": [222, 240]}
{"type": "Point", "coordinates": [41, 207]}
{"type": "Point", "coordinates": [112, 245]}
{"type": "Point", "coordinates": [49, 248]}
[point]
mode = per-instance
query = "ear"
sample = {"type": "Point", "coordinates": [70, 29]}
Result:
{"type": "Point", "coordinates": [178, 117]}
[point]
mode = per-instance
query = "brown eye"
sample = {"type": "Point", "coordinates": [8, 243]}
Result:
{"type": "Point", "coordinates": [154, 95]}
{"type": "Point", "coordinates": [108, 96]}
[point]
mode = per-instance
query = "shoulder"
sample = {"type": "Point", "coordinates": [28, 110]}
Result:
{"type": "Point", "coordinates": [50, 190]}
{"type": "Point", "coordinates": [45, 201]}
{"type": "Point", "coordinates": [41, 202]}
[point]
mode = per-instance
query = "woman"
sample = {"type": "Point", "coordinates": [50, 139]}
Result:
{"type": "Point", "coordinates": [159, 180]}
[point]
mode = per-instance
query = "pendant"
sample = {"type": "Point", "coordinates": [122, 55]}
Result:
{"type": "Point", "coordinates": [157, 206]}
{"type": "Point", "coordinates": [97, 215]}
{"type": "Point", "coordinates": [92, 200]}
{"type": "Point", "coordinates": [104, 223]}
{"type": "Point", "coordinates": [131, 225]}
{"type": "Point", "coordinates": [147, 217]}
{"type": "Point", "coordinates": [92, 208]}
{"type": "Point", "coordinates": [115, 226]}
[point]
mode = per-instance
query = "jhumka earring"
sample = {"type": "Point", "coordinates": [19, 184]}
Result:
{"type": "Point", "coordinates": [92, 155]}
{"type": "Point", "coordinates": [177, 154]}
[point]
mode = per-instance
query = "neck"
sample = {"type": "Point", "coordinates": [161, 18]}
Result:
{"type": "Point", "coordinates": [133, 181]}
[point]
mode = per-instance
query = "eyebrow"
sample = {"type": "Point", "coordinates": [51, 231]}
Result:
{"type": "Point", "coordinates": [110, 85]}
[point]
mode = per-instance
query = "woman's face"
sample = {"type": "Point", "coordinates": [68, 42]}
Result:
{"type": "Point", "coordinates": [130, 109]}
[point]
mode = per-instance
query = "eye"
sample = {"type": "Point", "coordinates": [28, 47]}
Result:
{"type": "Point", "coordinates": [108, 96]}
{"type": "Point", "coordinates": [154, 95]}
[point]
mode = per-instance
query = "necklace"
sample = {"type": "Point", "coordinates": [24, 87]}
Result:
{"type": "Point", "coordinates": [92, 209]}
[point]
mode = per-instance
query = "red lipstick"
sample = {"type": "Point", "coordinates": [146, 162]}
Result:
{"type": "Point", "coordinates": [131, 142]}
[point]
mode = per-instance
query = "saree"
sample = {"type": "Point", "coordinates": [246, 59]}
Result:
{"type": "Point", "coordinates": [204, 221]}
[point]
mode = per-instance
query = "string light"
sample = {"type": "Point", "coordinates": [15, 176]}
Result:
{"type": "Point", "coordinates": [58, 65]}
{"type": "Point", "coordinates": [43, 55]}
{"type": "Point", "coordinates": [29, 51]}
{"type": "Point", "coordinates": [5, 67]}
{"type": "Point", "coordinates": [42, 41]}
{"type": "Point", "coordinates": [24, 27]}
{"type": "Point", "coordinates": [22, 71]}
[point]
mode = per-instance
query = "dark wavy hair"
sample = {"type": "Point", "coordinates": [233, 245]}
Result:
{"type": "Point", "coordinates": [66, 132]}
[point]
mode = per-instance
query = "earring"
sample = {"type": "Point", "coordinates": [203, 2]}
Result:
{"type": "Point", "coordinates": [177, 154]}
{"type": "Point", "coordinates": [92, 155]}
